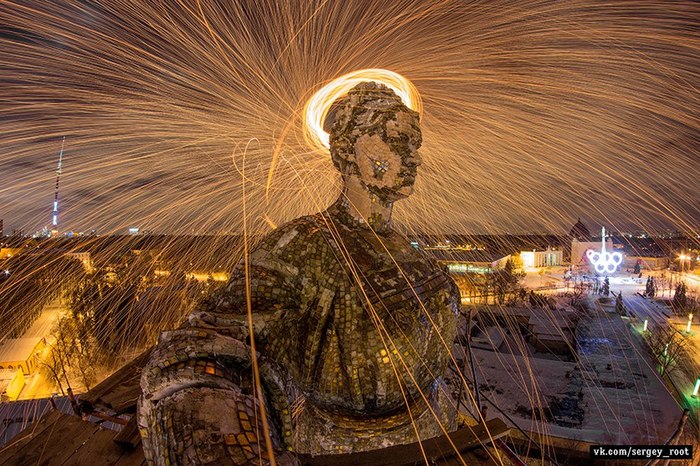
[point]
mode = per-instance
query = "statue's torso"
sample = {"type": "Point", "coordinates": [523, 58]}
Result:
{"type": "Point", "coordinates": [356, 325]}
{"type": "Point", "coordinates": [372, 310]}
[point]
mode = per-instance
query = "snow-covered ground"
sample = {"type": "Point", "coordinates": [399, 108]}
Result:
{"type": "Point", "coordinates": [609, 393]}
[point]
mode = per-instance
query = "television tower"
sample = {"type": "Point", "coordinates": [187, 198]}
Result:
{"type": "Point", "coordinates": [54, 230]}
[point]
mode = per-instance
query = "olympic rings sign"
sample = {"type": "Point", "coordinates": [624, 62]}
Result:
{"type": "Point", "coordinates": [604, 262]}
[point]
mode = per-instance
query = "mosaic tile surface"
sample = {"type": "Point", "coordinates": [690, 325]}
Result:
{"type": "Point", "coordinates": [353, 328]}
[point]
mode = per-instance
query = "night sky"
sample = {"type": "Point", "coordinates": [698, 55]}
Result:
{"type": "Point", "coordinates": [535, 113]}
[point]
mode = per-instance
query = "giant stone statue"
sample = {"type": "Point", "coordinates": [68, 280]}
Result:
{"type": "Point", "coordinates": [352, 324]}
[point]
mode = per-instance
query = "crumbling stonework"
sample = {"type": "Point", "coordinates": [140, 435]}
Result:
{"type": "Point", "coordinates": [353, 326]}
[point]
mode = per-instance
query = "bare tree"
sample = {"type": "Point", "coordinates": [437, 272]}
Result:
{"type": "Point", "coordinates": [54, 370]}
{"type": "Point", "coordinates": [668, 347]}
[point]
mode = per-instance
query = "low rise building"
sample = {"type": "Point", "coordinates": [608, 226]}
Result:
{"type": "Point", "coordinates": [460, 261]}
{"type": "Point", "coordinates": [579, 249]}
{"type": "Point", "coordinates": [21, 353]}
{"type": "Point", "coordinates": [645, 263]}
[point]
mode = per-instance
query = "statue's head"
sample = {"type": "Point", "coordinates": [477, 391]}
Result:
{"type": "Point", "coordinates": [375, 138]}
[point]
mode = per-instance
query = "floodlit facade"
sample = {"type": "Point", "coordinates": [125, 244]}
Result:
{"type": "Point", "coordinates": [579, 248]}
{"type": "Point", "coordinates": [548, 258]}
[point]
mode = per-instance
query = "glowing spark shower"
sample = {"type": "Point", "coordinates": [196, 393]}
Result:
{"type": "Point", "coordinates": [530, 109]}
{"type": "Point", "coordinates": [318, 106]}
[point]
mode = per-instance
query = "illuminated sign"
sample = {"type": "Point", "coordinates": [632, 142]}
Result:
{"type": "Point", "coordinates": [603, 261]}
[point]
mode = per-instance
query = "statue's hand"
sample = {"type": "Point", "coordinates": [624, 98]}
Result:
{"type": "Point", "coordinates": [208, 426]}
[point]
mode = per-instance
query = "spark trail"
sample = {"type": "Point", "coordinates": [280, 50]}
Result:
{"type": "Point", "coordinates": [534, 113]}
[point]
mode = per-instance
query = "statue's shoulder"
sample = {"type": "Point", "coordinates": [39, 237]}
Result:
{"type": "Point", "coordinates": [298, 234]}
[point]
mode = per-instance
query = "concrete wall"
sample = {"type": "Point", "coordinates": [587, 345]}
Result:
{"type": "Point", "coordinates": [647, 263]}
{"type": "Point", "coordinates": [11, 384]}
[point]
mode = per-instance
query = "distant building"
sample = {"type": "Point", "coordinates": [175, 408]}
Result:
{"type": "Point", "coordinates": [463, 261]}
{"type": "Point", "coordinates": [203, 276]}
{"type": "Point", "coordinates": [579, 248]}
{"type": "Point", "coordinates": [548, 258]}
{"type": "Point", "coordinates": [580, 232]}
{"type": "Point", "coordinates": [6, 253]}
{"type": "Point", "coordinates": [646, 263]}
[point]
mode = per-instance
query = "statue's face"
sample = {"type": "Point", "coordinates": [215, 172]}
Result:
{"type": "Point", "coordinates": [388, 166]}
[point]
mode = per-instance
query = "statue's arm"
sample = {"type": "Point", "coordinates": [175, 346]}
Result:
{"type": "Point", "coordinates": [198, 404]}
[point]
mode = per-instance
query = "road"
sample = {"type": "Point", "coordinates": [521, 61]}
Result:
{"type": "Point", "coordinates": [682, 380]}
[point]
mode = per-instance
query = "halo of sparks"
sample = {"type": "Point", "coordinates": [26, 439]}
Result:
{"type": "Point", "coordinates": [317, 108]}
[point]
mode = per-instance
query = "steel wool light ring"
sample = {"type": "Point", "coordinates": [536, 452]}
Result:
{"type": "Point", "coordinates": [318, 106]}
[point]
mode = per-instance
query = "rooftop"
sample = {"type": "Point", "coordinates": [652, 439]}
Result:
{"type": "Point", "coordinates": [18, 349]}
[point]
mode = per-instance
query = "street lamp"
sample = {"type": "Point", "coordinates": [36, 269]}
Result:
{"type": "Point", "coordinates": [697, 388]}
{"type": "Point", "coordinates": [690, 322]}
{"type": "Point", "coordinates": [646, 322]}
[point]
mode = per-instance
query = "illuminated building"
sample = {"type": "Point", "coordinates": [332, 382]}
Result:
{"type": "Point", "coordinates": [579, 248]}
{"type": "Point", "coordinates": [6, 253]}
{"type": "Point", "coordinates": [462, 261]}
{"type": "Point", "coordinates": [21, 353]}
{"type": "Point", "coordinates": [11, 384]}
{"type": "Point", "coordinates": [548, 258]}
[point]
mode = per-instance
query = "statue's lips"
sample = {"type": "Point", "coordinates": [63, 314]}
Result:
{"type": "Point", "coordinates": [408, 180]}
{"type": "Point", "coordinates": [408, 177]}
